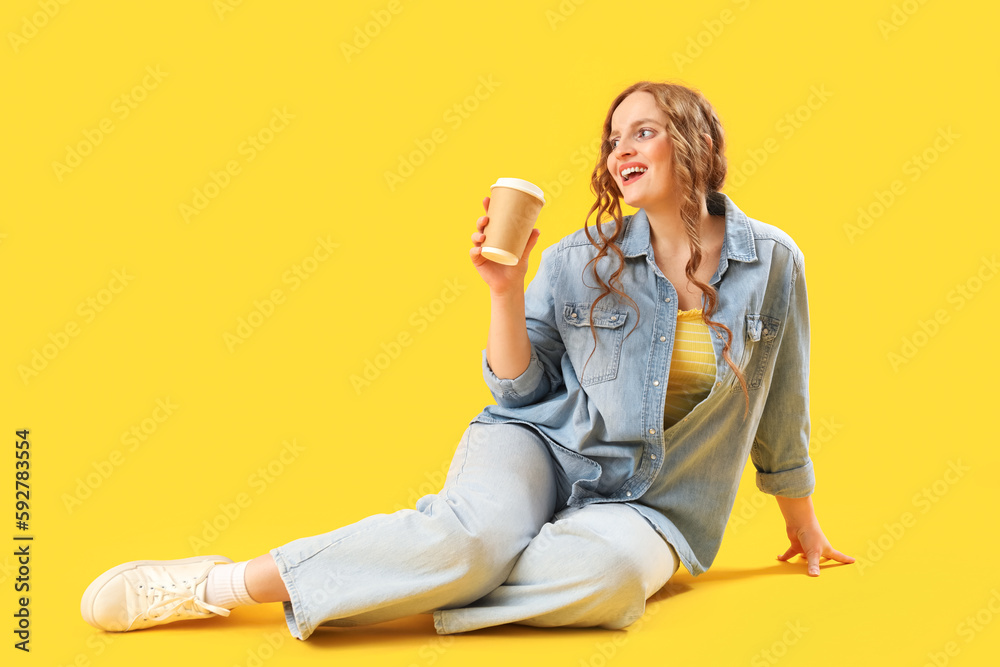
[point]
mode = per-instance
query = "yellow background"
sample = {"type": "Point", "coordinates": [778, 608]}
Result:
{"type": "Point", "coordinates": [883, 431]}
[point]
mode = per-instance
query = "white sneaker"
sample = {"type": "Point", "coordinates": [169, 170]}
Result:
{"type": "Point", "coordinates": [144, 593]}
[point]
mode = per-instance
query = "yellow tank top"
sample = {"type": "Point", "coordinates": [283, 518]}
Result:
{"type": "Point", "coordinates": [692, 367]}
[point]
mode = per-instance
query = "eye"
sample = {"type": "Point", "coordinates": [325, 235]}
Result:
{"type": "Point", "coordinates": [613, 143]}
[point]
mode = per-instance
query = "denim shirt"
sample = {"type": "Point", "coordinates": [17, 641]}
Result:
{"type": "Point", "coordinates": [604, 425]}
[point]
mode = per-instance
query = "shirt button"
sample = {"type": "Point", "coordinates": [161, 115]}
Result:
{"type": "Point", "coordinates": [628, 493]}
{"type": "Point", "coordinates": [667, 299]}
{"type": "Point", "coordinates": [718, 384]}
{"type": "Point", "coordinates": [615, 317]}
{"type": "Point", "coordinates": [663, 338]}
{"type": "Point", "coordinates": [656, 383]}
{"type": "Point", "coordinates": [652, 431]}
{"type": "Point", "coordinates": [652, 456]}
{"type": "Point", "coordinates": [718, 335]}
{"type": "Point", "coordinates": [573, 315]}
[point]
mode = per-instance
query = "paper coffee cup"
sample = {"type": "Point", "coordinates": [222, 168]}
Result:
{"type": "Point", "coordinates": [514, 207]}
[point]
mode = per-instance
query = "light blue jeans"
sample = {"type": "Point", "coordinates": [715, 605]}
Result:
{"type": "Point", "coordinates": [489, 548]}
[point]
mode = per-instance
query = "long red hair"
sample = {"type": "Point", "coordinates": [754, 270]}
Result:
{"type": "Point", "coordinates": [699, 171]}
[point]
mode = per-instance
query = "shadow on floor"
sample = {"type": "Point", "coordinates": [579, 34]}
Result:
{"type": "Point", "coordinates": [421, 626]}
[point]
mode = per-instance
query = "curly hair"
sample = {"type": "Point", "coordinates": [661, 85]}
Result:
{"type": "Point", "coordinates": [699, 170]}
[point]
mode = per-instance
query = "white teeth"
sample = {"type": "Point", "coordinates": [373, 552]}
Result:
{"type": "Point", "coordinates": [631, 170]}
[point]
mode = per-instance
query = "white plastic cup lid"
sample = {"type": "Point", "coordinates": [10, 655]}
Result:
{"type": "Point", "coordinates": [520, 184]}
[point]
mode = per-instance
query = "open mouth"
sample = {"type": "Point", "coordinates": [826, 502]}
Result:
{"type": "Point", "coordinates": [632, 176]}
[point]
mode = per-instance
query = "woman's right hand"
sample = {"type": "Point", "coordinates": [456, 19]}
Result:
{"type": "Point", "coordinates": [501, 278]}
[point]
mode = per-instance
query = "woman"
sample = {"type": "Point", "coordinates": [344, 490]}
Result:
{"type": "Point", "coordinates": [609, 458]}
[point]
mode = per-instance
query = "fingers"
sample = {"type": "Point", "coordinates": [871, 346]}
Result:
{"type": "Point", "coordinates": [815, 557]}
{"type": "Point", "coordinates": [788, 554]}
{"type": "Point", "coordinates": [839, 557]}
{"type": "Point", "coordinates": [813, 560]}
{"type": "Point", "coordinates": [476, 255]}
{"type": "Point", "coordinates": [478, 236]}
{"type": "Point", "coordinates": [486, 204]}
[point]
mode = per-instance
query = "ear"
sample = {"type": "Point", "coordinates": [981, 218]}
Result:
{"type": "Point", "coordinates": [708, 139]}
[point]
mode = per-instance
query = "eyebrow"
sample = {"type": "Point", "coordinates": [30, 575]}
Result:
{"type": "Point", "coordinates": [640, 122]}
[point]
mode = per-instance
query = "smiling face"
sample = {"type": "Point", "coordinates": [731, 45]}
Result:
{"type": "Point", "coordinates": [640, 142]}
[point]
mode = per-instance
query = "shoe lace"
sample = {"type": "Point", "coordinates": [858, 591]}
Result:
{"type": "Point", "coordinates": [172, 599]}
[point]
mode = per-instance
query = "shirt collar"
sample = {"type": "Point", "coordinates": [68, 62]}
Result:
{"type": "Point", "coordinates": [737, 245]}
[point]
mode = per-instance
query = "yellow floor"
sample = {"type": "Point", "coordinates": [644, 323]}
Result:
{"type": "Point", "coordinates": [232, 225]}
{"type": "Point", "coordinates": [906, 599]}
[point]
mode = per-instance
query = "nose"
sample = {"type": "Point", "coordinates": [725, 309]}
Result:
{"type": "Point", "coordinates": [622, 149]}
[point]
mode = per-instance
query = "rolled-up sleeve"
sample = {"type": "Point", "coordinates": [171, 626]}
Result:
{"type": "Point", "coordinates": [544, 373]}
{"type": "Point", "coordinates": [780, 450]}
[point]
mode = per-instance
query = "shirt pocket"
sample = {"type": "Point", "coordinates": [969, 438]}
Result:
{"type": "Point", "coordinates": [761, 331]}
{"type": "Point", "coordinates": [609, 327]}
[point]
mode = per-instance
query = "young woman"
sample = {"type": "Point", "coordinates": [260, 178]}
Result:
{"type": "Point", "coordinates": [610, 458]}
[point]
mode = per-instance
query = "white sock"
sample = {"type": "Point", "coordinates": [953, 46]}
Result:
{"type": "Point", "coordinates": [226, 586]}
